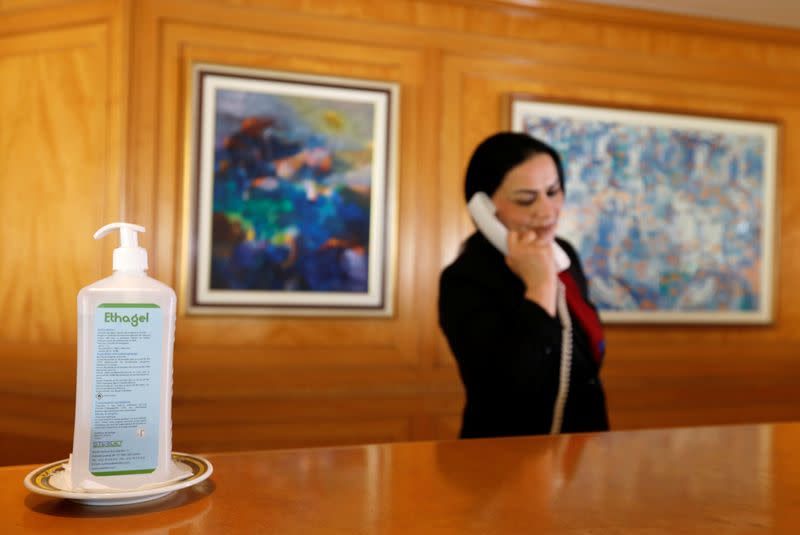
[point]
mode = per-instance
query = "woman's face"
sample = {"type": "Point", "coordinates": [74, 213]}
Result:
{"type": "Point", "coordinates": [530, 197]}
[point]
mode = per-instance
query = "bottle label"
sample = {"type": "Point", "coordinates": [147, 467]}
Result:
{"type": "Point", "coordinates": [126, 393]}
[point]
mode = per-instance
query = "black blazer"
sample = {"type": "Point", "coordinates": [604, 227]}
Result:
{"type": "Point", "coordinates": [508, 349]}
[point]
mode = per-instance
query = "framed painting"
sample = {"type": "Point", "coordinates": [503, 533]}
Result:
{"type": "Point", "coordinates": [292, 194]}
{"type": "Point", "coordinates": [671, 214]}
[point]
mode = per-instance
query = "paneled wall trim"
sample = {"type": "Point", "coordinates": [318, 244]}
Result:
{"type": "Point", "coordinates": [94, 126]}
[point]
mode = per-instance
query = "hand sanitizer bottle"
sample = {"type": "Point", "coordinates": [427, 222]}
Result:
{"type": "Point", "coordinates": [123, 406]}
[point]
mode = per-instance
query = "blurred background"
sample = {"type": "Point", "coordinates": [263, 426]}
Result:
{"type": "Point", "coordinates": [95, 126]}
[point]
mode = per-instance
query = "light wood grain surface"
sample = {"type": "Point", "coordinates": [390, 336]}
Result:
{"type": "Point", "coordinates": [720, 480]}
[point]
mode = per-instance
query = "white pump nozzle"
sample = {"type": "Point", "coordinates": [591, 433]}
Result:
{"type": "Point", "coordinates": [128, 256]}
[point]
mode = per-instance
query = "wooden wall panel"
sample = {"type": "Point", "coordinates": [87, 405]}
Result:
{"type": "Point", "coordinates": [261, 382]}
{"type": "Point", "coordinates": [376, 341]}
{"type": "Point", "coordinates": [53, 144]}
{"type": "Point", "coordinates": [300, 379]}
{"type": "Point", "coordinates": [62, 107]}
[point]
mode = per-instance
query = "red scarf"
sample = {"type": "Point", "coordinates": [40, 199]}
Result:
{"type": "Point", "coordinates": [586, 316]}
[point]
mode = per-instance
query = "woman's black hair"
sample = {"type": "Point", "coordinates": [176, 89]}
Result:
{"type": "Point", "coordinates": [497, 155]}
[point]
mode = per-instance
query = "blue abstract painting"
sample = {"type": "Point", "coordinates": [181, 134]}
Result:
{"type": "Point", "coordinates": [670, 214]}
{"type": "Point", "coordinates": [293, 192]}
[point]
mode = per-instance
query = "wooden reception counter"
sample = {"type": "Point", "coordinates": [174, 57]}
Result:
{"type": "Point", "coordinates": [711, 480]}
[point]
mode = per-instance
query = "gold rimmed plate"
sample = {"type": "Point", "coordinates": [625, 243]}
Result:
{"type": "Point", "coordinates": [42, 481]}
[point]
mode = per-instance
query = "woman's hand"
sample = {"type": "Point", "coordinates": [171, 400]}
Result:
{"type": "Point", "coordinates": [532, 261]}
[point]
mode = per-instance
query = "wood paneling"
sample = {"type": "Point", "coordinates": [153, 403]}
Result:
{"type": "Point", "coordinates": [188, 36]}
{"type": "Point", "coordinates": [62, 113]}
{"type": "Point", "coordinates": [95, 96]}
{"type": "Point", "coordinates": [54, 149]}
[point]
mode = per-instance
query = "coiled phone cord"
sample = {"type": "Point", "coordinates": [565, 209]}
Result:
{"type": "Point", "coordinates": [566, 359]}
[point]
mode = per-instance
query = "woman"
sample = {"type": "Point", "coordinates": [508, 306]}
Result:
{"type": "Point", "coordinates": [527, 341]}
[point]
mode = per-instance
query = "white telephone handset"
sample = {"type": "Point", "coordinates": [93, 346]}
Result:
{"type": "Point", "coordinates": [482, 210]}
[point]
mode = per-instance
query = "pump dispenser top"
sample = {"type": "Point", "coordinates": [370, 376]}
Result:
{"type": "Point", "coordinates": [128, 256]}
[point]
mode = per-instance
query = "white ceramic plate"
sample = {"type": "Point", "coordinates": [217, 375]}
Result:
{"type": "Point", "coordinates": [39, 481]}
